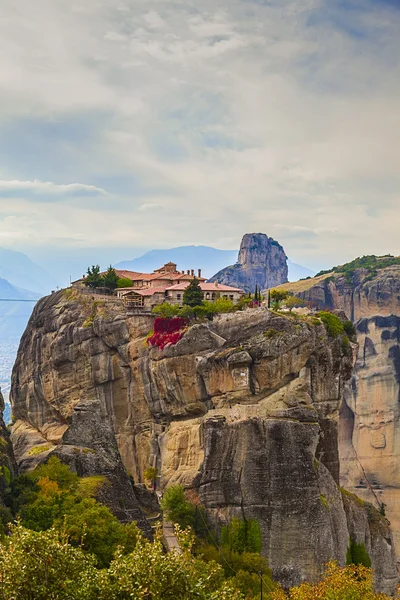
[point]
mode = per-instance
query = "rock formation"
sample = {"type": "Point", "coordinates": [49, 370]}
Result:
{"type": "Point", "coordinates": [262, 262]}
{"type": "Point", "coordinates": [7, 461]}
{"type": "Point", "coordinates": [370, 413]}
{"type": "Point", "coordinates": [243, 410]}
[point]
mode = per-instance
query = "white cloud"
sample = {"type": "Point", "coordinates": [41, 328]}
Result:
{"type": "Point", "coordinates": [10, 188]}
{"type": "Point", "coordinates": [278, 116]}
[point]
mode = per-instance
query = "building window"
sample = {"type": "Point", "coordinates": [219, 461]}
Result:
{"type": "Point", "coordinates": [207, 296]}
{"type": "Point", "coordinates": [231, 298]}
{"type": "Point", "coordinates": [179, 296]}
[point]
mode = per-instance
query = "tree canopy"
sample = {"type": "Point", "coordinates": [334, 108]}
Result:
{"type": "Point", "coordinates": [193, 296]}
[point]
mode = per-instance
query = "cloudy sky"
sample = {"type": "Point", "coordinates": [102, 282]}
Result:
{"type": "Point", "coordinates": [136, 124]}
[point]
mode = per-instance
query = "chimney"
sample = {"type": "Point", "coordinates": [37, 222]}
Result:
{"type": "Point", "coordinates": [192, 272]}
{"type": "Point", "coordinates": [216, 283]}
{"type": "Point", "coordinates": [183, 272]}
{"type": "Point", "coordinates": [188, 271]}
{"type": "Point", "coordinates": [199, 273]}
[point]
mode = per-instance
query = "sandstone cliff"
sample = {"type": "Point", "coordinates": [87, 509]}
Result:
{"type": "Point", "coordinates": [244, 411]}
{"type": "Point", "coordinates": [370, 413]}
{"type": "Point", "coordinates": [261, 262]}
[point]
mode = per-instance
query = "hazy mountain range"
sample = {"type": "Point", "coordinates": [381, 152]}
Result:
{"type": "Point", "coordinates": [19, 270]}
{"type": "Point", "coordinates": [210, 260]}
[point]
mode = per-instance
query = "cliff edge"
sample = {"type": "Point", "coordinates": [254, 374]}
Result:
{"type": "Point", "coordinates": [242, 410]}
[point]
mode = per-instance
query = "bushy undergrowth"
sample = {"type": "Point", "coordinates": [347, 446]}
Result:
{"type": "Point", "coordinates": [333, 324]}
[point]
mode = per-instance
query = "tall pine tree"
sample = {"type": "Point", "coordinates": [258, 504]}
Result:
{"type": "Point", "coordinates": [193, 296]}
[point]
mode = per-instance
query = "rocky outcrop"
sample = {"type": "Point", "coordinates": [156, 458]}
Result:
{"type": "Point", "coordinates": [242, 410]}
{"type": "Point", "coordinates": [7, 461]}
{"type": "Point", "coordinates": [262, 262]}
{"type": "Point", "coordinates": [370, 413]}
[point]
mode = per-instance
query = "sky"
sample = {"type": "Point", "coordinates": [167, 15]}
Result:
{"type": "Point", "coordinates": [127, 125]}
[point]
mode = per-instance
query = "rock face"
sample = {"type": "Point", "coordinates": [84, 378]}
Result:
{"type": "Point", "coordinates": [261, 262]}
{"type": "Point", "coordinates": [7, 461]}
{"type": "Point", "coordinates": [243, 411]}
{"type": "Point", "coordinates": [370, 413]}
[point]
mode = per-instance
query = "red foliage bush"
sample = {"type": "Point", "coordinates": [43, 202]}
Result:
{"type": "Point", "coordinates": [166, 325]}
{"type": "Point", "coordinates": [167, 331]}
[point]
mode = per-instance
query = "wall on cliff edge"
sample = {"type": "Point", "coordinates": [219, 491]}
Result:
{"type": "Point", "coordinates": [262, 262]}
{"type": "Point", "coordinates": [243, 410]}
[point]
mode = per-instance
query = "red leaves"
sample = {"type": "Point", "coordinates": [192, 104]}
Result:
{"type": "Point", "coordinates": [167, 332]}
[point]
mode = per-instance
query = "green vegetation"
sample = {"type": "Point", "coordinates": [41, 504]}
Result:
{"type": "Point", "coordinates": [277, 297]}
{"type": "Point", "coordinates": [239, 549]}
{"type": "Point", "coordinates": [53, 496]}
{"type": "Point", "coordinates": [270, 333]}
{"type": "Point", "coordinates": [193, 296]}
{"type": "Point", "coordinates": [294, 302]}
{"type": "Point", "coordinates": [67, 546]}
{"type": "Point", "coordinates": [324, 501]}
{"type": "Point", "coordinates": [333, 324]}
{"type": "Point", "coordinates": [45, 566]}
{"type": "Point", "coordinates": [371, 263]}
{"type": "Point", "coordinates": [38, 450]}
{"type": "Point", "coordinates": [124, 282]}
{"type": "Point", "coordinates": [177, 508]}
{"type": "Point", "coordinates": [150, 474]}
{"type": "Point", "coordinates": [93, 278]}
{"type": "Point", "coordinates": [350, 330]}
{"type": "Point", "coordinates": [110, 279]}
{"type": "Point", "coordinates": [357, 554]}
{"type": "Point", "coordinates": [242, 535]}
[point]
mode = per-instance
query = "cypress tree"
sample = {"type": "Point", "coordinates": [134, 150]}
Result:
{"type": "Point", "coordinates": [193, 296]}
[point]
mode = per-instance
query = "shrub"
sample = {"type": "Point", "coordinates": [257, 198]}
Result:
{"type": "Point", "coordinates": [349, 329]}
{"type": "Point", "coordinates": [176, 506]}
{"type": "Point", "coordinates": [242, 535]}
{"type": "Point", "coordinates": [150, 474]}
{"type": "Point", "coordinates": [353, 582]}
{"type": "Point", "coordinates": [167, 331]}
{"type": "Point", "coordinates": [124, 282]}
{"type": "Point", "coordinates": [357, 554]}
{"type": "Point", "coordinates": [166, 310]}
{"type": "Point", "coordinates": [333, 324]}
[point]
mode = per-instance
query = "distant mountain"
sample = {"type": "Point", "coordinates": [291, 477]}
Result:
{"type": "Point", "coordinates": [19, 270]}
{"type": "Point", "coordinates": [210, 260]}
{"type": "Point", "coordinates": [16, 306]}
{"type": "Point", "coordinates": [297, 272]}
{"type": "Point", "coordinates": [206, 258]}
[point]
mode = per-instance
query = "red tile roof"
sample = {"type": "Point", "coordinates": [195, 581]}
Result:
{"type": "Point", "coordinates": [207, 287]}
{"type": "Point", "coordinates": [144, 291]}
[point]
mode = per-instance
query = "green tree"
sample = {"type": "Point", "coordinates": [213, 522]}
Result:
{"type": "Point", "coordinates": [166, 310]}
{"type": "Point", "coordinates": [148, 572]}
{"type": "Point", "coordinates": [242, 535]}
{"type": "Point", "coordinates": [44, 566]}
{"type": "Point", "coordinates": [193, 296]}
{"type": "Point", "coordinates": [294, 302]}
{"type": "Point", "coordinates": [91, 526]}
{"type": "Point", "coordinates": [176, 506]}
{"type": "Point", "coordinates": [150, 474]}
{"type": "Point", "coordinates": [357, 554]}
{"type": "Point", "coordinates": [333, 324]}
{"type": "Point", "coordinates": [124, 282]}
{"type": "Point", "coordinates": [276, 298]}
{"type": "Point", "coordinates": [93, 278]}
{"type": "Point", "coordinates": [111, 279]}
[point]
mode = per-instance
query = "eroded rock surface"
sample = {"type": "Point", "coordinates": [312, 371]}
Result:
{"type": "Point", "coordinates": [244, 411]}
{"type": "Point", "coordinates": [370, 413]}
{"type": "Point", "coordinates": [262, 262]}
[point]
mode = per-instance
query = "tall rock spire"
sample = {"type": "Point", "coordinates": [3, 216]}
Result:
{"type": "Point", "coordinates": [261, 262]}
